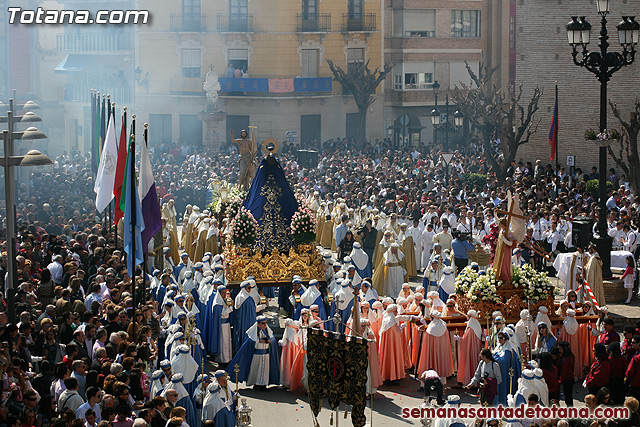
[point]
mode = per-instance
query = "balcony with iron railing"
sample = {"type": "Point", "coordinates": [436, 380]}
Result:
{"type": "Point", "coordinates": [313, 23]}
{"type": "Point", "coordinates": [359, 22]}
{"type": "Point", "coordinates": [94, 42]}
{"type": "Point", "coordinates": [188, 22]}
{"type": "Point", "coordinates": [235, 22]}
{"type": "Point", "coordinates": [79, 92]}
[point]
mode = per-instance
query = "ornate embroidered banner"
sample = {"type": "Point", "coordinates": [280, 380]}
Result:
{"type": "Point", "coordinates": [338, 371]}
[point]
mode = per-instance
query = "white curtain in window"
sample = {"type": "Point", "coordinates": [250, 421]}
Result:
{"type": "Point", "coordinates": [238, 54]}
{"type": "Point", "coordinates": [191, 58]}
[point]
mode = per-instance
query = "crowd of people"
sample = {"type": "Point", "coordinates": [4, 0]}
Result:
{"type": "Point", "coordinates": [79, 352]}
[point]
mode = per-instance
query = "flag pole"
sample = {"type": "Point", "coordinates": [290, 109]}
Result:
{"type": "Point", "coordinates": [145, 254]}
{"type": "Point", "coordinates": [124, 124]}
{"type": "Point", "coordinates": [112, 203]}
{"type": "Point", "coordinates": [132, 200]}
{"type": "Point", "coordinates": [557, 126]}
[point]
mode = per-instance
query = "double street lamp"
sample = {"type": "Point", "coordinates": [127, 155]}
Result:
{"type": "Point", "coordinates": [436, 121]}
{"type": "Point", "coordinates": [32, 158]}
{"type": "Point", "coordinates": [603, 64]}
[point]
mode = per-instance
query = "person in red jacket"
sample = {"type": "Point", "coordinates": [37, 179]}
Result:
{"type": "Point", "coordinates": [628, 350]}
{"type": "Point", "coordinates": [618, 368]}
{"type": "Point", "coordinates": [600, 371]}
{"type": "Point", "coordinates": [550, 375]}
{"type": "Point", "coordinates": [567, 366]}
{"type": "Point", "coordinates": [609, 334]}
{"type": "Point", "coordinates": [632, 376]}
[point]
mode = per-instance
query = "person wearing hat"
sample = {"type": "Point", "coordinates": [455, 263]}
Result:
{"type": "Point", "coordinates": [435, 350]}
{"type": "Point", "coordinates": [432, 274]}
{"type": "Point", "coordinates": [343, 305]}
{"type": "Point", "coordinates": [469, 349]}
{"type": "Point", "coordinates": [545, 339]}
{"type": "Point", "coordinates": [393, 357]}
{"type": "Point", "coordinates": [258, 357]}
{"type": "Point", "coordinates": [219, 334]}
{"type": "Point", "coordinates": [168, 260]}
{"type": "Point", "coordinates": [381, 248]}
{"type": "Point", "coordinates": [184, 266]}
{"type": "Point", "coordinates": [311, 296]}
{"type": "Point", "coordinates": [186, 365]}
{"type": "Point", "coordinates": [222, 378]}
{"type": "Point", "coordinates": [184, 400]}
{"type": "Point", "coordinates": [214, 408]}
{"type": "Point", "coordinates": [453, 401]}
{"type": "Point", "coordinates": [245, 314]}
{"type": "Point", "coordinates": [297, 289]}
{"type": "Point", "coordinates": [392, 272]}
{"type": "Point", "coordinates": [353, 276]}
{"type": "Point", "coordinates": [360, 260]}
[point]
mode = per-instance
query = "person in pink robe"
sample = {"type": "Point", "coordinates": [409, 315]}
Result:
{"type": "Point", "coordinates": [508, 243]}
{"type": "Point", "coordinates": [435, 352]}
{"type": "Point", "coordinates": [290, 344]}
{"type": "Point", "coordinates": [378, 311]}
{"type": "Point", "coordinates": [374, 377]}
{"type": "Point", "coordinates": [470, 346]}
{"type": "Point", "coordinates": [570, 332]}
{"type": "Point", "coordinates": [392, 353]}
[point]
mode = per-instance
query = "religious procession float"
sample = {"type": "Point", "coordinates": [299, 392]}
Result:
{"type": "Point", "coordinates": [270, 234]}
{"type": "Point", "coordinates": [504, 287]}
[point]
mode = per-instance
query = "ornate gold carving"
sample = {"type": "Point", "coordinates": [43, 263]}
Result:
{"type": "Point", "coordinates": [304, 260]}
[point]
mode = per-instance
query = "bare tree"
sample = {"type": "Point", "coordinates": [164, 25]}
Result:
{"type": "Point", "coordinates": [626, 153]}
{"type": "Point", "coordinates": [362, 83]}
{"type": "Point", "coordinates": [498, 116]}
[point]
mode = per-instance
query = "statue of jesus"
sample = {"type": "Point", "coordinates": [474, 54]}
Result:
{"type": "Point", "coordinates": [506, 243]}
{"type": "Point", "coordinates": [248, 149]}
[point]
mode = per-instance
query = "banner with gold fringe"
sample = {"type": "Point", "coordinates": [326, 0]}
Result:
{"type": "Point", "coordinates": [337, 370]}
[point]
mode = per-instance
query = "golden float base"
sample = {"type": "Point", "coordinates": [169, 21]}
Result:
{"type": "Point", "coordinates": [274, 268]}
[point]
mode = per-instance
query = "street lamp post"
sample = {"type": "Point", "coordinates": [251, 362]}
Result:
{"type": "Point", "coordinates": [435, 113]}
{"type": "Point", "coordinates": [603, 65]}
{"type": "Point", "coordinates": [32, 158]}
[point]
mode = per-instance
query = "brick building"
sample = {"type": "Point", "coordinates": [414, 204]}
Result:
{"type": "Point", "coordinates": [544, 56]}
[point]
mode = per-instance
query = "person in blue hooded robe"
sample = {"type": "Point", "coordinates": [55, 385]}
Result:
{"type": "Point", "coordinates": [161, 290]}
{"type": "Point", "coordinates": [344, 304]}
{"type": "Point", "coordinates": [360, 261]}
{"type": "Point", "coordinates": [244, 314]}
{"type": "Point", "coordinates": [184, 399]}
{"type": "Point", "coordinates": [296, 291]}
{"type": "Point", "coordinates": [214, 408]}
{"type": "Point", "coordinates": [370, 294]}
{"type": "Point", "coordinates": [310, 297]}
{"type": "Point", "coordinates": [506, 359]}
{"type": "Point", "coordinates": [219, 333]}
{"type": "Point", "coordinates": [178, 274]}
{"type": "Point", "coordinates": [258, 357]}
{"type": "Point", "coordinates": [206, 293]}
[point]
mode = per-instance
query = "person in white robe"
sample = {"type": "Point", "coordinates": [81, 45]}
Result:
{"type": "Point", "coordinates": [426, 241]}
{"type": "Point", "coordinates": [415, 231]}
{"type": "Point", "coordinates": [157, 383]}
{"type": "Point", "coordinates": [524, 329]}
{"type": "Point", "coordinates": [395, 273]}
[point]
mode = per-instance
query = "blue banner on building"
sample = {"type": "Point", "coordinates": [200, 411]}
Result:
{"type": "Point", "coordinates": [314, 85]}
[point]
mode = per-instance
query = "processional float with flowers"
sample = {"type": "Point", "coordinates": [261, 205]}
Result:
{"type": "Point", "coordinates": [504, 287]}
{"type": "Point", "coordinates": [270, 234]}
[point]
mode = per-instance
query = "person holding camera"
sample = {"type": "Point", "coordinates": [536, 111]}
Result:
{"type": "Point", "coordinates": [461, 246]}
{"type": "Point", "coordinates": [487, 377]}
